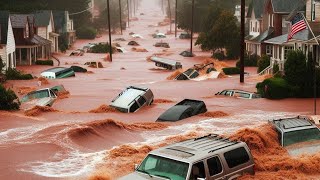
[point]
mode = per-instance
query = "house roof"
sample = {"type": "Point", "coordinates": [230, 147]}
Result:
{"type": "Point", "coordinates": [39, 40]}
{"type": "Point", "coordinates": [256, 6]}
{"type": "Point", "coordinates": [20, 20]}
{"type": "Point", "coordinates": [42, 18]}
{"type": "Point", "coordinates": [278, 40]}
{"type": "Point", "coordinates": [263, 36]}
{"type": "Point", "coordinates": [4, 19]}
{"type": "Point", "coordinates": [286, 6]}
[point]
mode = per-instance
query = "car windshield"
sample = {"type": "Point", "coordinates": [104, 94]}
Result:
{"type": "Point", "coordinates": [36, 95]}
{"type": "Point", "coordinates": [301, 136]}
{"type": "Point", "coordinates": [163, 167]}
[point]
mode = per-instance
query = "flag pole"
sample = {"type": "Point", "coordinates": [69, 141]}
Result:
{"type": "Point", "coordinates": [314, 67]}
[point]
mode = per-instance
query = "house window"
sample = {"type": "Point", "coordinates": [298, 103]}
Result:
{"type": "Point", "coordinates": [269, 50]}
{"type": "Point", "coordinates": [256, 27]}
{"type": "Point", "coordinates": [251, 25]}
{"type": "Point", "coordinates": [286, 50]}
{"type": "Point", "coordinates": [313, 13]}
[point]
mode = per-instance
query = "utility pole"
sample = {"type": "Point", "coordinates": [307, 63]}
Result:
{"type": "Point", "coordinates": [169, 6]}
{"type": "Point", "coordinates": [192, 19]}
{"type": "Point", "coordinates": [120, 16]}
{"type": "Point", "coordinates": [134, 7]}
{"type": "Point", "coordinates": [128, 12]}
{"type": "Point", "coordinates": [162, 8]}
{"type": "Point", "coordinates": [242, 45]}
{"type": "Point", "coordinates": [109, 26]}
{"type": "Point", "coordinates": [176, 19]}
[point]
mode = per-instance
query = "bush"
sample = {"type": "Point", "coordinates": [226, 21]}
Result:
{"type": "Point", "coordinates": [101, 48]}
{"type": "Point", "coordinates": [263, 63]}
{"type": "Point", "coordinates": [249, 61]}
{"type": "Point", "coordinates": [86, 33]}
{"type": "Point", "coordinates": [274, 88]}
{"type": "Point", "coordinates": [8, 99]}
{"type": "Point", "coordinates": [63, 42]}
{"type": "Point", "coordinates": [231, 70]}
{"type": "Point", "coordinates": [219, 55]}
{"type": "Point", "coordinates": [275, 68]}
{"type": "Point", "coordinates": [295, 68]}
{"type": "Point", "coordinates": [13, 74]}
{"type": "Point", "coordinates": [45, 62]}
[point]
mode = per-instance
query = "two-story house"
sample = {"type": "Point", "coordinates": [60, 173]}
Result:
{"type": "Point", "coordinates": [254, 19]}
{"type": "Point", "coordinates": [29, 46]}
{"type": "Point", "coordinates": [44, 24]}
{"type": "Point", "coordinates": [64, 26]}
{"type": "Point", "coordinates": [7, 41]}
{"type": "Point", "coordinates": [303, 40]}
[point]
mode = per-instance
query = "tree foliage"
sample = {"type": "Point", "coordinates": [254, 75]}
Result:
{"type": "Point", "coordinates": [295, 68]}
{"type": "Point", "coordinates": [8, 99]}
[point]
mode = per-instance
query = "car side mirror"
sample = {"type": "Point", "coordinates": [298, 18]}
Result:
{"type": "Point", "coordinates": [136, 166]}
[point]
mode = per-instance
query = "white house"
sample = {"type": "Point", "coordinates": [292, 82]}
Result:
{"type": "Point", "coordinates": [44, 24]}
{"type": "Point", "coordinates": [7, 41]}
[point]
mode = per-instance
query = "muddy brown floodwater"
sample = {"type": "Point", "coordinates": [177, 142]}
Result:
{"type": "Point", "coordinates": [80, 137]}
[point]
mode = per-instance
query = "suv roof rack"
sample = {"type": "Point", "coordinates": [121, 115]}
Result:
{"type": "Point", "coordinates": [289, 123]}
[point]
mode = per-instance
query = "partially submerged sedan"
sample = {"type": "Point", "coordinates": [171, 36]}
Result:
{"type": "Point", "coordinates": [184, 109]}
{"type": "Point", "coordinates": [42, 97]}
{"type": "Point", "coordinates": [132, 99]}
{"type": "Point", "coordinates": [239, 94]}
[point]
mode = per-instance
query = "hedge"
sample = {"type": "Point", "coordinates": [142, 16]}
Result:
{"type": "Point", "coordinates": [274, 88]}
{"type": "Point", "coordinates": [45, 62]}
{"type": "Point", "coordinates": [219, 55]}
{"type": "Point", "coordinates": [86, 33]}
{"type": "Point", "coordinates": [102, 48]}
{"type": "Point", "coordinates": [231, 70]}
{"type": "Point", "coordinates": [8, 99]}
{"type": "Point", "coordinates": [13, 74]}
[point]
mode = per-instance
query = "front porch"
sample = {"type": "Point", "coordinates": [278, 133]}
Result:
{"type": "Point", "coordinates": [28, 55]}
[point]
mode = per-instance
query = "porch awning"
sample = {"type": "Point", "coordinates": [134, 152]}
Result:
{"type": "Point", "coordinates": [40, 41]}
{"type": "Point", "coordinates": [278, 40]}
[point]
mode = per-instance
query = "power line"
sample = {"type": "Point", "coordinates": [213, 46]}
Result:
{"type": "Point", "coordinates": [80, 11]}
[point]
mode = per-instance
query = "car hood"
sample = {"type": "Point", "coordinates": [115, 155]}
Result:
{"type": "Point", "coordinates": [140, 176]}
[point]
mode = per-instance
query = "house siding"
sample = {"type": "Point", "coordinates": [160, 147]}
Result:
{"type": "Point", "coordinates": [9, 48]}
{"type": "Point", "coordinates": [42, 32]}
{"type": "Point", "coordinates": [3, 54]}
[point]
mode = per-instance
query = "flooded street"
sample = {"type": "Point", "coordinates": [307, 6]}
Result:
{"type": "Point", "coordinates": [72, 143]}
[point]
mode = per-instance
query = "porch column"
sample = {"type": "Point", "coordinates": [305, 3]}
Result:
{"type": "Point", "coordinates": [29, 55]}
{"type": "Point", "coordinates": [282, 53]}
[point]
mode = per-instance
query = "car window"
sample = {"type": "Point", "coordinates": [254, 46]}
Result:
{"type": "Point", "coordinates": [185, 114]}
{"type": "Point", "coordinates": [229, 93]}
{"type": "Point", "coordinates": [223, 92]}
{"type": "Point", "coordinates": [142, 101]}
{"type": "Point", "coordinates": [214, 166]}
{"type": "Point", "coordinates": [52, 94]}
{"type": "Point", "coordinates": [301, 136]}
{"type": "Point", "coordinates": [188, 72]}
{"type": "Point", "coordinates": [194, 75]}
{"type": "Point", "coordinates": [134, 107]}
{"type": "Point", "coordinates": [197, 171]}
{"type": "Point", "coordinates": [236, 157]}
{"type": "Point", "coordinates": [242, 95]}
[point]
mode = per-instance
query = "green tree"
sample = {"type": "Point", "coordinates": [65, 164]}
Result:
{"type": "Point", "coordinates": [223, 33]}
{"type": "Point", "coordinates": [263, 63]}
{"type": "Point", "coordinates": [295, 68]}
{"type": "Point", "coordinates": [8, 99]}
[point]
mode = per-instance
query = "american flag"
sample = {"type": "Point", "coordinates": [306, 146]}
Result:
{"type": "Point", "coordinates": [297, 24]}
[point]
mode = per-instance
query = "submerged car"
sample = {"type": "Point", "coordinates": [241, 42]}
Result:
{"type": "Point", "coordinates": [58, 73]}
{"type": "Point", "coordinates": [209, 157]}
{"type": "Point", "coordinates": [193, 73]}
{"type": "Point", "coordinates": [78, 52]}
{"type": "Point", "coordinates": [187, 54]}
{"type": "Point", "coordinates": [133, 43]}
{"type": "Point", "coordinates": [239, 94]}
{"type": "Point", "coordinates": [132, 99]}
{"type": "Point", "coordinates": [295, 130]}
{"type": "Point", "coordinates": [185, 35]}
{"type": "Point", "coordinates": [42, 97]}
{"type": "Point", "coordinates": [184, 109]}
{"type": "Point", "coordinates": [159, 35]}
{"type": "Point", "coordinates": [162, 44]}
{"type": "Point", "coordinates": [94, 64]}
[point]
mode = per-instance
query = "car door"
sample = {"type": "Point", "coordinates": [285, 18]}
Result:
{"type": "Point", "coordinates": [142, 101]}
{"type": "Point", "coordinates": [198, 171]}
{"type": "Point", "coordinates": [215, 168]}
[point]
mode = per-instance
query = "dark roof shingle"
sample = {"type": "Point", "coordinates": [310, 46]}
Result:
{"type": "Point", "coordinates": [257, 6]}
{"type": "Point", "coordinates": [42, 18]}
{"type": "Point", "coordinates": [4, 19]}
{"type": "Point", "coordinates": [20, 20]}
{"type": "Point", "coordinates": [286, 6]}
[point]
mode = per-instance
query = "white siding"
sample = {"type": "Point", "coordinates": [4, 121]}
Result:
{"type": "Point", "coordinates": [50, 27]}
{"type": "Point", "coordinates": [11, 44]}
{"type": "Point", "coordinates": [3, 54]}
{"type": "Point", "coordinates": [42, 31]}
{"type": "Point", "coordinates": [254, 25]}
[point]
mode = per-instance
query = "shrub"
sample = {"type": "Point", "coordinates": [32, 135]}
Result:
{"type": "Point", "coordinates": [231, 70]}
{"type": "Point", "coordinates": [274, 88]}
{"type": "Point", "coordinates": [86, 33]}
{"type": "Point", "coordinates": [275, 68]}
{"type": "Point", "coordinates": [263, 63]}
{"type": "Point", "coordinates": [101, 48]}
{"type": "Point", "coordinates": [249, 60]}
{"type": "Point", "coordinates": [8, 99]}
{"type": "Point", "coordinates": [13, 74]}
{"type": "Point", "coordinates": [219, 55]}
{"type": "Point", "coordinates": [63, 42]}
{"type": "Point", "coordinates": [295, 68]}
{"type": "Point", "coordinates": [45, 62]}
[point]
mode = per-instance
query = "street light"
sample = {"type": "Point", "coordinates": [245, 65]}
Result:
{"type": "Point", "coordinates": [109, 26]}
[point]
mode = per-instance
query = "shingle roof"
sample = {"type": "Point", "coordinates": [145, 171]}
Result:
{"type": "Point", "coordinates": [42, 18]}
{"type": "Point", "coordinates": [4, 18]}
{"type": "Point", "coordinates": [286, 6]}
{"type": "Point", "coordinates": [257, 7]}
{"type": "Point", "coordinates": [20, 20]}
{"type": "Point", "coordinates": [263, 36]}
{"type": "Point", "coordinates": [39, 40]}
{"type": "Point", "coordinates": [278, 40]}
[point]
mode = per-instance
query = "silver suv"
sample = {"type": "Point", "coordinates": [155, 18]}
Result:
{"type": "Point", "coordinates": [209, 157]}
{"type": "Point", "coordinates": [132, 99]}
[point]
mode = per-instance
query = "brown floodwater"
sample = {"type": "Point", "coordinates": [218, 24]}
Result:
{"type": "Point", "coordinates": [80, 137]}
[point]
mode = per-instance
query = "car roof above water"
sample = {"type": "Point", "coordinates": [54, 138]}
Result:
{"type": "Point", "coordinates": [192, 150]}
{"type": "Point", "coordinates": [127, 96]}
{"type": "Point", "coordinates": [293, 124]}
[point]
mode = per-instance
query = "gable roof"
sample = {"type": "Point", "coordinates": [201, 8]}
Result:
{"type": "Point", "coordinates": [60, 19]}
{"type": "Point", "coordinates": [42, 18]}
{"type": "Point", "coordinates": [256, 6]}
{"type": "Point", "coordinates": [4, 19]}
{"type": "Point", "coordinates": [286, 6]}
{"type": "Point", "coordinates": [20, 20]}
